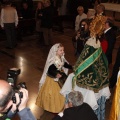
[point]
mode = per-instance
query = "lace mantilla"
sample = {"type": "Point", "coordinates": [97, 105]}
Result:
{"type": "Point", "coordinates": [59, 63]}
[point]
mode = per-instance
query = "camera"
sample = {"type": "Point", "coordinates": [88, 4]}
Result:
{"type": "Point", "coordinates": [82, 31]}
{"type": "Point", "coordinates": [82, 28]}
{"type": "Point", "coordinates": [12, 75]}
{"type": "Point", "coordinates": [16, 90]}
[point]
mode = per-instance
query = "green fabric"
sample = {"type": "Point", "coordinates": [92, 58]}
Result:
{"type": "Point", "coordinates": [91, 69]}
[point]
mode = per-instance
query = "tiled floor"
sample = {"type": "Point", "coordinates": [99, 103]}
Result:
{"type": "Point", "coordinates": [30, 57]}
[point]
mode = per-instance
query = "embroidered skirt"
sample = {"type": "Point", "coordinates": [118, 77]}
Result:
{"type": "Point", "coordinates": [49, 97]}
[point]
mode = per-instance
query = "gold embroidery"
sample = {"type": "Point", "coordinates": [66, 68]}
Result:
{"type": "Point", "coordinates": [89, 81]}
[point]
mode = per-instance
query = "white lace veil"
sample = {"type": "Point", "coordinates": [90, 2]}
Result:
{"type": "Point", "coordinates": [50, 60]}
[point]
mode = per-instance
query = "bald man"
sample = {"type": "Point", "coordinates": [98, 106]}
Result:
{"type": "Point", "coordinates": [6, 93]}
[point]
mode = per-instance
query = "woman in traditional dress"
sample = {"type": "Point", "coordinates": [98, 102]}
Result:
{"type": "Point", "coordinates": [56, 65]}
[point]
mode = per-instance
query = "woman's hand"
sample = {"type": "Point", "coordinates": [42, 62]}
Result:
{"type": "Point", "coordinates": [58, 75]}
{"type": "Point", "coordinates": [78, 35]}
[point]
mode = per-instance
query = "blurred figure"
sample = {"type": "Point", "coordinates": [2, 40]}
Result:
{"type": "Point", "coordinates": [62, 12]}
{"type": "Point", "coordinates": [81, 15]}
{"type": "Point", "coordinates": [115, 108]}
{"type": "Point", "coordinates": [9, 22]}
{"type": "Point", "coordinates": [47, 23]}
{"type": "Point", "coordinates": [29, 2]}
{"type": "Point", "coordinates": [26, 13]}
{"type": "Point", "coordinates": [75, 108]}
{"type": "Point", "coordinates": [38, 17]}
{"type": "Point", "coordinates": [113, 78]}
{"type": "Point", "coordinates": [81, 36]}
{"type": "Point", "coordinates": [110, 37]}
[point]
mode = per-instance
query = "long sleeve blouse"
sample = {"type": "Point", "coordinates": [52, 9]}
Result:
{"type": "Point", "coordinates": [53, 71]}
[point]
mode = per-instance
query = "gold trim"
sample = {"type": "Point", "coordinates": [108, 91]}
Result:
{"type": "Point", "coordinates": [97, 26]}
{"type": "Point", "coordinates": [94, 89]}
{"type": "Point", "coordinates": [89, 64]}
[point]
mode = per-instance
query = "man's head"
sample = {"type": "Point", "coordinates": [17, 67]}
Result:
{"type": "Point", "coordinates": [6, 93]}
{"type": "Point", "coordinates": [75, 98]}
{"type": "Point", "coordinates": [109, 23]}
{"type": "Point", "coordinates": [80, 10]}
{"type": "Point", "coordinates": [25, 5]}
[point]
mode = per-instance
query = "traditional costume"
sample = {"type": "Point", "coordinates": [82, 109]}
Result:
{"type": "Point", "coordinates": [49, 97]}
{"type": "Point", "coordinates": [91, 76]}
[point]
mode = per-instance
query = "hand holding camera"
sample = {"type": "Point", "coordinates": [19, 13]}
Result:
{"type": "Point", "coordinates": [20, 96]}
{"type": "Point", "coordinates": [78, 35]}
{"type": "Point", "coordinates": [24, 100]}
{"type": "Point", "coordinates": [20, 102]}
{"type": "Point", "coordinates": [81, 32]}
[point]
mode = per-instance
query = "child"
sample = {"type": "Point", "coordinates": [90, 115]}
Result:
{"type": "Point", "coordinates": [49, 97]}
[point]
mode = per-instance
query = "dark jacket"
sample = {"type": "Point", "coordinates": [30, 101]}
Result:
{"type": "Point", "coordinates": [38, 11]}
{"type": "Point", "coordinates": [116, 66]}
{"type": "Point", "coordinates": [53, 71]}
{"type": "Point", "coordinates": [82, 112]}
{"type": "Point", "coordinates": [47, 18]}
{"type": "Point", "coordinates": [80, 42]}
{"type": "Point", "coordinates": [26, 13]}
{"type": "Point", "coordinates": [111, 38]}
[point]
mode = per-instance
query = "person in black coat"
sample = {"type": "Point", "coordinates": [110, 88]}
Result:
{"type": "Point", "coordinates": [80, 38]}
{"type": "Point", "coordinates": [26, 12]}
{"type": "Point", "coordinates": [113, 78]}
{"type": "Point", "coordinates": [110, 37]}
{"type": "Point", "coordinates": [75, 109]}
{"type": "Point", "coordinates": [29, 2]}
{"type": "Point", "coordinates": [47, 23]}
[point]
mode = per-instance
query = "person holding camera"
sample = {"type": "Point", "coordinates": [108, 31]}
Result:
{"type": "Point", "coordinates": [76, 109]}
{"type": "Point", "coordinates": [81, 36]}
{"type": "Point", "coordinates": [8, 109]}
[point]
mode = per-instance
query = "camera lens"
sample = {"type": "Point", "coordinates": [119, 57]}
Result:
{"type": "Point", "coordinates": [11, 81]}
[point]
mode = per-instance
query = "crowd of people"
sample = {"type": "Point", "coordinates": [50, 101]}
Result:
{"type": "Point", "coordinates": [86, 89]}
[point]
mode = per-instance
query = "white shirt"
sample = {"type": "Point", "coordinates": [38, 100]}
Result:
{"type": "Point", "coordinates": [78, 20]}
{"type": "Point", "coordinates": [9, 15]}
{"type": "Point", "coordinates": [107, 29]}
